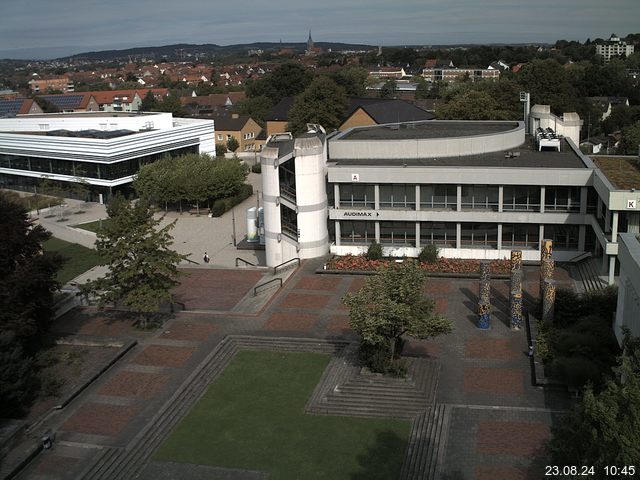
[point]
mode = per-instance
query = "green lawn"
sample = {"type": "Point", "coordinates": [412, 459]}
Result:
{"type": "Point", "coordinates": [253, 417]}
{"type": "Point", "coordinates": [79, 259]}
{"type": "Point", "coordinates": [93, 226]}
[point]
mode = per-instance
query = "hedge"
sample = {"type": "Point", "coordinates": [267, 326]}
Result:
{"type": "Point", "coordinates": [223, 205]}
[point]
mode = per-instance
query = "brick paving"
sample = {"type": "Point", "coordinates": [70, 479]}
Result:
{"type": "Point", "coordinates": [134, 384]}
{"type": "Point", "coordinates": [55, 466]}
{"type": "Point", "coordinates": [293, 322]}
{"type": "Point", "coordinates": [484, 376]}
{"type": "Point", "coordinates": [101, 324]}
{"type": "Point", "coordinates": [164, 356]}
{"type": "Point", "coordinates": [206, 289]}
{"type": "Point", "coordinates": [494, 380]}
{"type": "Point", "coordinates": [189, 331]}
{"type": "Point", "coordinates": [511, 438]}
{"type": "Point", "coordinates": [305, 301]}
{"type": "Point", "coordinates": [100, 419]}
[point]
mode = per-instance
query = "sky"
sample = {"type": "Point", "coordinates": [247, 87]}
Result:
{"type": "Point", "coordinates": [54, 28]}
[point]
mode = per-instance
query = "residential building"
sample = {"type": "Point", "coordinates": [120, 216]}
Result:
{"type": "Point", "coordinates": [211, 104]}
{"type": "Point", "coordinates": [243, 128]}
{"type": "Point", "coordinates": [104, 149]}
{"type": "Point", "coordinates": [476, 189]}
{"type": "Point", "coordinates": [278, 117]}
{"type": "Point", "coordinates": [73, 102]}
{"type": "Point", "coordinates": [18, 106]}
{"type": "Point", "coordinates": [614, 47]}
{"type": "Point", "coordinates": [452, 74]}
{"type": "Point", "coordinates": [375, 111]}
{"type": "Point", "coordinates": [44, 85]}
{"type": "Point", "coordinates": [607, 104]}
{"type": "Point", "coordinates": [388, 72]}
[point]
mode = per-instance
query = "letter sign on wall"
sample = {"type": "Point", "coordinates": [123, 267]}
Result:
{"type": "Point", "coordinates": [631, 204]}
{"type": "Point", "coordinates": [355, 177]}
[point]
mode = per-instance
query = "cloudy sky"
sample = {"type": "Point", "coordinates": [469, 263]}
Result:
{"type": "Point", "coordinates": [49, 28]}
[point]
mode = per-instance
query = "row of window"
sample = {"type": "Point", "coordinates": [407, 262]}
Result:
{"type": "Point", "coordinates": [103, 171]}
{"type": "Point", "coordinates": [443, 234]}
{"type": "Point", "coordinates": [474, 197]}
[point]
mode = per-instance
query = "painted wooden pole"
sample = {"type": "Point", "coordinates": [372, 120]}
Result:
{"type": "Point", "coordinates": [549, 301]}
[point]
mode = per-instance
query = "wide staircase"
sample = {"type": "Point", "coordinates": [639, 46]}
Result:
{"type": "Point", "coordinates": [587, 269]}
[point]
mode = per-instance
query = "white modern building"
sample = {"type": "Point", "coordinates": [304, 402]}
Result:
{"type": "Point", "coordinates": [104, 149]}
{"type": "Point", "coordinates": [628, 310]}
{"type": "Point", "coordinates": [614, 47]}
{"type": "Point", "coordinates": [476, 189]}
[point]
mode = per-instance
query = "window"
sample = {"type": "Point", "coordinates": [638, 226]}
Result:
{"type": "Point", "coordinates": [356, 195]}
{"type": "Point", "coordinates": [565, 237]}
{"type": "Point", "coordinates": [228, 137]}
{"type": "Point", "coordinates": [438, 197]}
{"type": "Point", "coordinates": [522, 236]}
{"type": "Point", "coordinates": [562, 199]}
{"type": "Point", "coordinates": [441, 234]}
{"type": "Point", "coordinates": [398, 234]}
{"type": "Point", "coordinates": [483, 235]}
{"type": "Point", "coordinates": [219, 136]}
{"type": "Point", "coordinates": [398, 196]}
{"type": "Point", "coordinates": [480, 197]}
{"type": "Point", "coordinates": [289, 220]}
{"type": "Point", "coordinates": [521, 198]}
{"type": "Point", "coordinates": [357, 233]}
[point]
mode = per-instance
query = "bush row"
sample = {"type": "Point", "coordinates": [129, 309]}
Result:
{"type": "Point", "coordinates": [225, 204]}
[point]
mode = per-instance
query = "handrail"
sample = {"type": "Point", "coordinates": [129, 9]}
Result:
{"type": "Point", "coordinates": [275, 269]}
{"type": "Point", "coordinates": [243, 260]}
{"type": "Point", "coordinates": [189, 260]}
{"type": "Point", "coordinates": [255, 290]}
{"type": "Point", "coordinates": [577, 258]}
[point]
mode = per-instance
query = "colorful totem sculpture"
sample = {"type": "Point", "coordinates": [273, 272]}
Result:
{"type": "Point", "coordinates": [484, 304]}
{"type": "Point", "coordinates": [516, 260]}
{"type": "Point", "coordinates": [515, 299]}
{"type": "Point", "coordinates": [548, 301]}
{"type": "Point", "coordinates": [546, 264]}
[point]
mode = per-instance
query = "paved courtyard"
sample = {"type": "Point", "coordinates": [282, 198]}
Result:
{"type": "Point", "coordinates": [495, 422]}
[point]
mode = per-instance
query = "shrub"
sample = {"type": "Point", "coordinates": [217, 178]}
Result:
{"type": "Point", "coordinates": [375, 356]}
{"type": "Point", "coordinates": [256, 168]}
{"type": "Point", "coordinates": [225, 204]}
{"type": "Point", "coordinates": [374, 252]}
{"type": "Point", "coordinates": [429, 254]}
{"type": "Point", "coordinates": [576, 371]}
{"type": "Point", "coordinates": [218, 208]}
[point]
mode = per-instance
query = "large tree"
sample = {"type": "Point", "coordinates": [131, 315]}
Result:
{"type": "Point", "coordinates": [322, 102]}
{"type": "Point", "coordinates": [286, 80]}
{"type": "Point", "coordinates": [603, 428]}
{"type": "Point", "coordinates": [27, 284]}
{"type": "Point", "coordinates": [142, 266]}
{"type": "Point", "coordinates": [392, 304]}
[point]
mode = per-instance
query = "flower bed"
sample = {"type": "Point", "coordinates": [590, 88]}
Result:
{"type": "Point", "coordinates": [443, 265]}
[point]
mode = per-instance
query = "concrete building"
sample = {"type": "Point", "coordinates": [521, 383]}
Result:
{"type": "Point", "coordinates": [104, 149]}
{"type": "Point", "coordinates": [614, 47]}
{"type": "Point", "coordinates": [476, 189]}
{"type": "Point", "coordinates": [628, 311]}
{"type": "Point", "coordinates": [453, 74]}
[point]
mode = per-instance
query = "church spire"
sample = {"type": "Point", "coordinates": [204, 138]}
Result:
{"type": "Point", "coordinates": [309, 42]}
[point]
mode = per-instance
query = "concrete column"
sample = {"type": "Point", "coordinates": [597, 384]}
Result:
{"type": "Point", "coordinates": [459, 198]}
{"type": "Point", "coordinates": [612, 269]}
{"type": "Point", "coordinates": [540, 237]}
{"type": "Point", "coordinates": [499, 236]}
{"type": "Point", "coordinates": [417, 234]}
{"type": "Point", "coordinates": [614, 227]}
{"type": "Point", "coordinates": [582, 235]}
{"type": "Point", "coordinates": [376, 198]}
{"type": "Point", "coordinates": [607, 221]}
{"type": "Point", "coordinates": [377, 229]}
{"type": "Point", "coordinates": [542, 190]}
{"type": "Point", "coordinates": [584, 191]}
{"type": "Point", "coordinates": [458, 235]}
{"type": "Point", "coordinates": [500, 200]}
{"type": "Point", "coordinates": [338, 233]}
{"type": "Point", "coordinates": [417, 199]}
{"type": "Point", "coordinates": [336, 195]}
{"type": "Point", "coordinates": [603, 268]}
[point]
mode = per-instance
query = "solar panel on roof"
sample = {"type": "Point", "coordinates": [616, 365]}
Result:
{"type": "Point", "coordinates": [10, 107]}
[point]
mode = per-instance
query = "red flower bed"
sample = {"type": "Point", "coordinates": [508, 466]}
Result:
{"type": "Point", "coordinates": [443, 265]}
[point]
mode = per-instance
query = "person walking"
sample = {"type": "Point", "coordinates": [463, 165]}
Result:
{"type": "Point", "coordinates": [205, 258]}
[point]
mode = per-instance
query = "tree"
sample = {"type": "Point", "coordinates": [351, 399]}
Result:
{"type": "Point", "coordinates": [353, 80]}
{"type": "Point", "coordinates": [322, 102]}
{"type": "Point", "coordinates": [149, 102]}
{"type": "Point", "coordinates": [142, 265]}
{"type": "Point", "coordinates": [389, 88]}
{"type": "Point", "coordinates": [392, 304]}
{"type": "Point", "coordinates": [17, 381]}
{"type": "Point", "coordinates": [27, 276]}
{"type": "Point", "coordinates": [548, 83]}
{"type": "Point", "coordinates": [171, 104]}
{"type": "Point", "coordinates": [286, 80]}
{"type": "Point", "coordinates": [604, 427]}
{"type": "Point", "coordinates": [472, 105]}
{"type": "Point", "coordinates": [232, 144]}
{"type": "Point", "coordinates": [255, 107]}
{"type": "Point", "coordinates": [630, 143]}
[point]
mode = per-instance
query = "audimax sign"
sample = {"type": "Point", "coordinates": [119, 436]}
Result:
{"type": "Point", "coordinates": [360, 214]}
